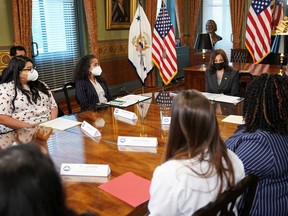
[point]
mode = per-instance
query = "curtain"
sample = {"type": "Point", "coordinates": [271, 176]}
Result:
{"type": "Point", "coordinates": [237, 19]}
{"type": "Point", "coordinates": [22, 19]}
{"type": "Point", "coordinates": [90, 9]}
{"type": "Point", "coordinates": [194, 9]}
{"type": "Point", "coordinates": [180, 11]}
{"type": "Point", "coordinates": [150, 11]}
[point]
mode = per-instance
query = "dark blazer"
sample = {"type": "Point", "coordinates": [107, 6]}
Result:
{"type": "Point", "coordinates": [86, 94]}
{"type": "Point", "coordinates": [229, 84]}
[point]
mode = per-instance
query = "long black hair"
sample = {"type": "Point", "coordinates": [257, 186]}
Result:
{"type": "Point", "coordinates": [12, 73]}
{"type": "Point", "coordinates": [30, 184]}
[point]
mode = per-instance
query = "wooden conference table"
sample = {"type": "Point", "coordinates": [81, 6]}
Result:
{"type": "Point", "coordinates": [195, 75]}
{"type": "Point", "coordinates": [73, 146]}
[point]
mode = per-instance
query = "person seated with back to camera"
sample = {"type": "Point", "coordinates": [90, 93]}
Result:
{"type": "Point", "coordinates": [30, 184]}
{"type": "Point", "coordinates": [24, 100]}
{"type": "Point", "coordinates": [220, 78]}
{"type": "Point", "coordinates": [197, 165]}
{"type": "Point", "coordinates": [91, 87]}
{"type": "Point", "coordinates": [262, 143]}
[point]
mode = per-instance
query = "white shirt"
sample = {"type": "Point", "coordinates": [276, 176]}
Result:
{"type": "Point", "coordinates": [176, 190]}
{"type": "Point", "coordinates": [100, 92]}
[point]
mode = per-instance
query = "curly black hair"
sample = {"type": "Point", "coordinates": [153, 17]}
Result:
{"type": "Point", "coordinates": [266, 104]}
{"type": "Point", "coordinates": [81, 70]}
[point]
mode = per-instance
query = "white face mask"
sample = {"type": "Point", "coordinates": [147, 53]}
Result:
{"type": "Point", "coordinates": [32, 75]}
{"type": "Point", "coordinates": [97, 71]}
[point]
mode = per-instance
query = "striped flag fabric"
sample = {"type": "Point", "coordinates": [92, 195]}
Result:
{"type": "Point", "coordinates": [258, 29]}
{"type": "Point", "coordinates": [140, 44]}
{"type": "Point", "coordinates": [164, 46]}
{"type": "Point", "coordinates": [277, 13]}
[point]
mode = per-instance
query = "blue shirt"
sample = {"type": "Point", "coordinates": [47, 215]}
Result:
{"type": "Point", "coordinates": [266, 155]}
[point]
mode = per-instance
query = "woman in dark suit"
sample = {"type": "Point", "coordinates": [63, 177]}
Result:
{"type": "Point", "coordinates": [221, 78]}
{"type": "Point", "coordinates": [91, 88]}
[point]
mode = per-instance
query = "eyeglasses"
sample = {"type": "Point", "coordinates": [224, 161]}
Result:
{"type": "Point", "coordinates": [29, 69]}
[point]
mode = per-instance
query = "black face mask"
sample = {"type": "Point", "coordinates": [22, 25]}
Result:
{"type": "Point", "coordinates": [219, 66]}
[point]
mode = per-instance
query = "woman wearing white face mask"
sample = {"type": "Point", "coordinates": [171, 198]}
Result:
{"type": "Point", "coordinates": [91, 88]}
{"type": "Point", "coordinates": [24, 100]}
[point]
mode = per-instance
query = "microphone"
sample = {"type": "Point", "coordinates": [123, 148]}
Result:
{"type": "Point", "coordinates": [123, 89]}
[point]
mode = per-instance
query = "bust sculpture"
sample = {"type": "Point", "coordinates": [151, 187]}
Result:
{"type": "Point", "coordinates": [211, 28]}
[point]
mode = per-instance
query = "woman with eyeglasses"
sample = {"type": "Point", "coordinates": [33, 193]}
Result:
{"type": "Point", "coordinates": [24, 100]}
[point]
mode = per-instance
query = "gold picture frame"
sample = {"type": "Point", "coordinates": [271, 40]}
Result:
{"type": "Point", "coordinates": [119, 13]}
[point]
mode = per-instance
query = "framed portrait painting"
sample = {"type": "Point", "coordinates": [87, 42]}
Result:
{"type": "Point", "coordinates": [119, 13]}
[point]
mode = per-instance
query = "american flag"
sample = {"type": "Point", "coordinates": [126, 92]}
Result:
{"type": "Point", "coordinates": [164, 46]}
{"type": "Point", "coordinates": [277, 12]}
{"type": "Point", "coordinates": [258, 29]}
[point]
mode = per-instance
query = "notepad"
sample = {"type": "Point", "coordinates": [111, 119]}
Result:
{"type": "Point", "coordinates": [128, 100]}
{"type": "Point", "coordinates": [60, 123]}
{"type": "Point", "coordinates": [222, 98]}
{"type": "Point", "coordinates": [129, 187]}
{"type": "Point", "coordinates": [235, 119]}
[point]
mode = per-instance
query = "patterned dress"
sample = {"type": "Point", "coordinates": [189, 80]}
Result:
{"type": "Point", "coordinates": [24, 111]}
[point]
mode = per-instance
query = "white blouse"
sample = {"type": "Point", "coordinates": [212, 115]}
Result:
{"type": "Point", "coordinates": [100, 92]}
{"type": "Point", "coordinates": [176, 190]}
{"type": "Point", "coordinates": [24, 111]}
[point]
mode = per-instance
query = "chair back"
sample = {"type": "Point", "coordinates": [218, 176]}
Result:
{"type": "Point", "coordinates": [66, 87]}
{"type": "Point", "coordinates": [225, 203]}
{"type": "Point", "coordinates": [244, 81]}
{"type": "Point", "coordinates": [239, 55]}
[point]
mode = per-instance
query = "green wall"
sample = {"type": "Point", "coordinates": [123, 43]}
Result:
{"type": "Point", "coordinates": [6, 33]}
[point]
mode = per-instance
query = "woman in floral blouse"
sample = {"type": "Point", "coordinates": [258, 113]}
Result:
{"type": "Point", "coordinates": [24, 100]}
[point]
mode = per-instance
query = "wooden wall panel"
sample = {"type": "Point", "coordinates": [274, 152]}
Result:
{"type": "Point", "coordinates": [118, 71]}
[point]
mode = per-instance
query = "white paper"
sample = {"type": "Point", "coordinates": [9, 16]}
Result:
{"type": "Point", "coordinates": [85, 169]}
{"type": "Point", "coordinates": [128, 100]}
{"type": "Point", "coordinates": [137, 141]}
{"type": "Point", "coordinates": [125, 114]}
{"type": "Point", "coordinates": [235, 119]}
{"type": "Point", "coordinates": [60, 123]}
{"type": "Point", "coordinates": [222, 98]}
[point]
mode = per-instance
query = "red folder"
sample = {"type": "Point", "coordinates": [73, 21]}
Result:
{"type": "Point", "coordinates": [130, 188]}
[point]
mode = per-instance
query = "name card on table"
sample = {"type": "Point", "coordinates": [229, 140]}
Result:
{"type": "Point", "coordinates": [126, 120]}
{"type": "Point", "coordinates": [90, 130]}
{"type": "Point", "coordinates": [137, 141]}
{"type": "Point", "coordinates": [125, 114]}
{"type": "Point", "coordinates": [85, 169]}
{"type": "Point", "coordinates": [165, 122]}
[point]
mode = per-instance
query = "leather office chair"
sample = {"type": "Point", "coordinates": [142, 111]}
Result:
{"type": "Point", "coordinates": [239, 55]}
{"type": "Point", "coordinates": [225, 203]}
{"type": "Point", "coordinates": [244, 81]}
{"type": "Point", "coordinates": [66, 87]}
